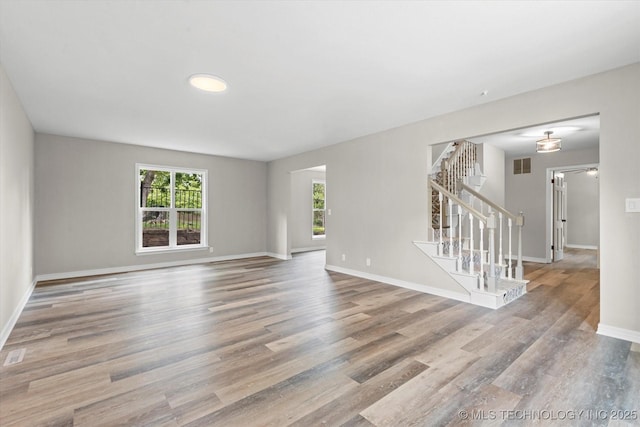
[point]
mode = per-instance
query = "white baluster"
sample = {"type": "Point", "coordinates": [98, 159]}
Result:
{"type": "Point", "coordinates": [471, 243]}
{"type": "Point", "coordinates": [459, 269]}
{"type": "Point", "coordinates": [440, 213]}
{"type": "Point", "coordinates": [481, 257]}
{"type": "Point", "coordinates": [509, 224]}
{"type": "Point", "coordinates": [500, 259]}
{"type": "Point", "coordinates": [454, 183]}
{"type": "Point", "coordinates": [449, 215]}
{"type": "Point", "coordinates": [491, 275]}
{"type": "Point", "coordinates": [466, 163]}
{"type": "Point", "coordinates": [520, 224]}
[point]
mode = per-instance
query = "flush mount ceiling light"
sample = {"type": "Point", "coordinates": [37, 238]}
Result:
{"type": "Point", "coordinates": [532, 133]}
{"type": "Point", "coordinates": [208, 83]}
{"type": "Point", "coordinates": [548, 144]}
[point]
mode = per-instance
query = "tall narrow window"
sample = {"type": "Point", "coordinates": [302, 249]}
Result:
{"type": "Point", "coordinates": [319, 201]}
{"type": "Point", "coordinates": [171, 207]}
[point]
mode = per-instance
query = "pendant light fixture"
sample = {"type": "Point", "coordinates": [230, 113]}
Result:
{"type": "Point", "coordinates": [548, 144]}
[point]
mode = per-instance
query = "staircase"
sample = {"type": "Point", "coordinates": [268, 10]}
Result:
{"type": "Point", "coordinates": [471, 237]}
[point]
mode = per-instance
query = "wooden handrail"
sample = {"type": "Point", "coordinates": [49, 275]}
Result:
{"type": "Point", "coordinates": [476, 213]}
{"type": "Point", "coordinates": [489, 202]}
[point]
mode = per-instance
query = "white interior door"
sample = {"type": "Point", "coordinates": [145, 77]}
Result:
{"type": "Point", "coordinates": [559, 216]}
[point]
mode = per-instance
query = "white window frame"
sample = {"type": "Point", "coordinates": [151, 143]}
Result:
{"type": "Point", "coordinates": [313, 209]}
{"type": "Point", "coordinates": [173, 212]}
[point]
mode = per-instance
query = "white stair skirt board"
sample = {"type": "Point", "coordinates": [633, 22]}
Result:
{"type": "Point", "coordinates": [448, 264]}
{"type": "Point", "coordinates": [506, 290]}
{"type": "Point", "coordinates": [468, 281]}
{"type": "Point", "coordinates": [429, 248]}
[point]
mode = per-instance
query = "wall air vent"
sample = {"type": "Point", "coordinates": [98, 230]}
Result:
{"type": "Point", "coordinates": [521, 166]}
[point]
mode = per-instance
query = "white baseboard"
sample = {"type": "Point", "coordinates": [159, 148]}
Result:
{"type": "Point", "coordinates": [620, 333]}
{"type": "Point", "coordinates": [534, 259]}
{"type": "Point", "coordinates": [529, 259]}
{"type": "Point", "coordinates": [8, 327]}
{"type": "Point", "coordinates": [138, 267]}
{"type": "Point", "coordinates": [581, 247]}
{"type": "Point", "coordinates": [401, 283]}
{"type": "Point", "coordinates": [308, 249]}
{"type": "Point", "coordinates": [279, 256]}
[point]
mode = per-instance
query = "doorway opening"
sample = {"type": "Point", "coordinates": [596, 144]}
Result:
{"type": "Point", "coordinates": [307, 222]}
{"type": "Point", "coordinates": [573, 200]}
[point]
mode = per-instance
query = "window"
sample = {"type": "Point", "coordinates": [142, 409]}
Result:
{"type": "Point", "coordinates": [171, 208]}
{"type": "Point", "coordinates": [319, 201]}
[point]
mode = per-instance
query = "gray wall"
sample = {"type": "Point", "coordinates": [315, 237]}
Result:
{"type": "Point", "coordinates": [527, 193]}
{"type": "Point", "coordinates": [491, 161]}
{"type": "Point", "coordinates": [301, 210]}
{"type": "Point", "coordinates": [16, 206]}
{"type": "Point", "coordinates": [378, 184]}
{"type": "Point", "coordinates": [86, 204]}
{"type": "Point", "coordinates": [583, 219]}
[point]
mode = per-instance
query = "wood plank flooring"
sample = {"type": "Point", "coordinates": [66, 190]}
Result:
{"type": "Point", "coordinates": [264, 342]}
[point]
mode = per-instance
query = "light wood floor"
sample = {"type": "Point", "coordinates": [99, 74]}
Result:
{"type": "Point", "coordinates": [263, 342]}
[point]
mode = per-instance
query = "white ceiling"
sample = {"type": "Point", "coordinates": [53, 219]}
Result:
{"type": "Point", "coordinates": [301, 74]}
{"type": "Point", "coordinates": [576, 134]}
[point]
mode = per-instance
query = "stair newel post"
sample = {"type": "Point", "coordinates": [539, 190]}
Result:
{"type": "Point", "coordinates": [520, 224]}
{"type": "Point", "coordinates": [440, 225]}
{"type": "Point", "coordinates": [509, 225]}
{"type": "Point", "coordinates": [471, 243]}
{"type": "Point", "coordinates": [491, 225]}
{"type": "Point", "coordinates": [449, 215]}
{"type": "Point", "coordinates": [500, 258]}
{"type": "Point", "coordinates": [459, 263]}
{"type": "Point", "coordinates": [481, 257]}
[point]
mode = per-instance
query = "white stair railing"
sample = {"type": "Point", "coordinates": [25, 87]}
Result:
{"type": "Point", "coordinates": [484, 221]}
{"type": "Point", "coordinates": [459, 164]}
{"type": "Point", "coordinates": [512, 219]}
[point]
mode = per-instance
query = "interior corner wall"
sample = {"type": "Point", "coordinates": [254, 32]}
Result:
{"type": "Point", "coordinates": [583, 219]}
{"type": "Point", "coordinates": [17, 273]}
{"type": "Point", "coordinates": [379, 197]}
{"type": "Point", "coordinates": [491, 161]}
{"type": "Point", "coordinates": [527, 193]}
{"type": "Point", "coordinates": [301, 210]}
{"type": "Point", "coordinates": [86, 205]}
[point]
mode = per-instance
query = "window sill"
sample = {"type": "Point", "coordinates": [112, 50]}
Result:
{"type": "Point", "coordinates": [324, 236]}
{"type": "Point", "coordinates": [158, 251]}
